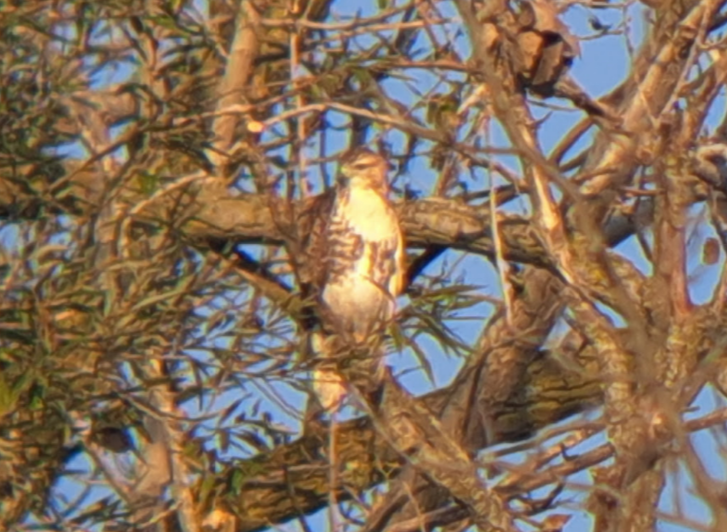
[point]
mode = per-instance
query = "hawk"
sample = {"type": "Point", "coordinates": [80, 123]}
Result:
{"type": "Point", "coordinates": [354, 268]}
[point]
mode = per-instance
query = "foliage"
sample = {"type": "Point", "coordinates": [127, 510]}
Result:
{"type": "Point", "coordinates": [157, 164]}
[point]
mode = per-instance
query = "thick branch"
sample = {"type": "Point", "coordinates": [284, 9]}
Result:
{"type": "Point", "coordinates": [210, 211]}
{"type": "Point", "coordinates": [295, 478]}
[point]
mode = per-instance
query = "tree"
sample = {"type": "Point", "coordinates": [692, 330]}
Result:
{"type": "Point", "coordinates": [158, 162]}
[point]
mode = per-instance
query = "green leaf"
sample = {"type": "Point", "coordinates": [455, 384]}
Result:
{"type": "Point", "coordinates": [206, 486]}
{"type": "Point", "coordinates": [236, 482]}
{"type": "Point", "coordinates": [148, 183]}
{"type": "Point", "coordinates": [7, 397]}
{"type": "Point", "coordinates": [422, 358]}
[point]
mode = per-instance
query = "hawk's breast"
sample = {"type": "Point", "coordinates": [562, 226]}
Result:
{"type": "Point", "coordinates": [363, 261]}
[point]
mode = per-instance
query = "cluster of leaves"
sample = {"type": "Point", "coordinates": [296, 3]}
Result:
{"type": "Point", "coordinates": [154, 159]}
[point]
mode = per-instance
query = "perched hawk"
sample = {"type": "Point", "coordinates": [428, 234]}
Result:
{"type": "Point", "coordinates": [354, 267]}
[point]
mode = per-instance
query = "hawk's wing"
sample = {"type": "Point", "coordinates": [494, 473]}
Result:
{"type": "Point", "coordinates": [312, 222]}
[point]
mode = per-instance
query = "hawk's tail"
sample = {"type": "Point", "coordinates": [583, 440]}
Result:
{"type": "Point", "coordinates": [344, 369]}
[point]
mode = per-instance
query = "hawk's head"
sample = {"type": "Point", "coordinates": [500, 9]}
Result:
{"type": "Point", "coordinates": [363, 168]}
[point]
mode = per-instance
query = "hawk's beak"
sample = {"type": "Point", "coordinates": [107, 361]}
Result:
{"type": "Point", "coordinates": [347, 172]}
